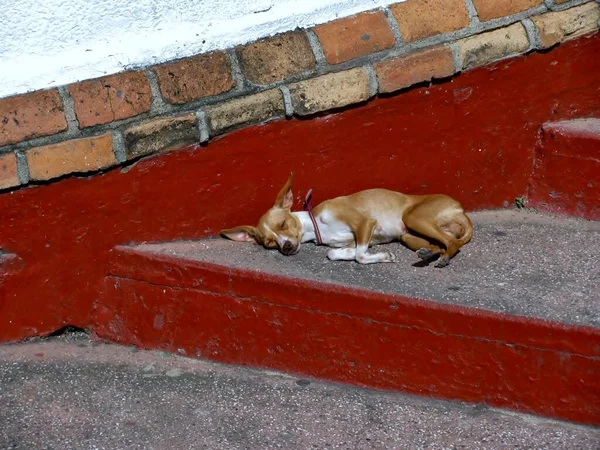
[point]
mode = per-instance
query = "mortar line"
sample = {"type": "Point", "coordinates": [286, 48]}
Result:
{"type": "Point", "coordinates": [316, 48]}
{"type": "Point", "coordinates": [456, 58]}
{"type": "Point", "coordinates": [532, 34]}
{"type": "Point", "coordinates": [119, 146]}
{"type": "Point", "coordinates": [473, 15]}
{"type": "Point", "coordinates": [236, 70]}
{"type": "Point", "coordinates": [287, 101]}
{"type": "Point", "coordinates": [203, 127]}
{"type": "Point", "coordinates": [69, 110]}
{"type": "Point", "coordinates": [158, 105]}
{"type": "Point", "coordinates": [569, 5]}
{"type": "Point", "coordinates": [22, 168]}
{"type": "Point", "coordinates": [394, 26]}
{"type": "Point", "coordinates": [372, 80]}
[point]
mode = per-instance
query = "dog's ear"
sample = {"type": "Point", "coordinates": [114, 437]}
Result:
{"type": "Point", "coordinates": [285, 198]}
{"type": "Point", "coordinates": [245, 233]}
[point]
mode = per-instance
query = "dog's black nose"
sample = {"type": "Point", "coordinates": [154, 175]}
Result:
{"type": "Point", "coordinates": [287, 247]}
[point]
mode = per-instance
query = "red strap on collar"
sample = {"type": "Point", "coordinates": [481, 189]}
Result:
{"type": "Point", "coordinates": [308, 208]}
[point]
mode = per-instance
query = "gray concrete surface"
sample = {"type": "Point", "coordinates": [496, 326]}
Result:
{"type": "Point", "coordinates": [71, 393]}
{"type": "Point", "coordinates": [519, 262]}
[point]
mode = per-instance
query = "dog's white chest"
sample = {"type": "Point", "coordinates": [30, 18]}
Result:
{"type": "Point", "coordinates": [333, 232]}
{"type": "Point", "coordinates": [338, 234]}
{"type": "Point", "coordinates": [388, 229]}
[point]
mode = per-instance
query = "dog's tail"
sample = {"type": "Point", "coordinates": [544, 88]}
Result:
{"type": "Point", "coordinates": [467, 229]}
{"type": "Point", "coordinates": [458, 227]}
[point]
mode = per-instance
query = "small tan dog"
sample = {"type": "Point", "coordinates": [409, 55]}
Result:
{"type": "Point", "coordinates": [431, 225]}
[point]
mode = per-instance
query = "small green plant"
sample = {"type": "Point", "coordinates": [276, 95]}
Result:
{"type": "Point", "coordinates": [520, 202]}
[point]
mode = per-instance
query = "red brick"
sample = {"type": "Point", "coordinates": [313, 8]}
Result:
{"type": "Point", "coordinates": [558, 26]}
{"type": "Point", "coordinates": [422, 18]}
{"type": "Point", "coordinates": [353, 37]}
{"type": "Point", "coordinates": [256, 108]}
{"type": "Point", "coordinates": [8, 171]}
{"type": "Point", "coordinates": [276, 58]}
{"type": "Point", "coordinates": [160, 135]}
{"type": "Point", "coordinates": [31, 115]}
{"type": "Point", "coordinates": [111, 98]}
{"type": "Point", "coordinates": [399, 73]}
{"type": "Point", "coordinates": [75, 156]}
{"type": "Point", "coordinates": [492, 9]}
{"type": "Point", "coordinates": [491, 46]}
{"type": "Point", "coordinates": [330, 91]}
{"type": "Point", "coordinates": [191, 79]}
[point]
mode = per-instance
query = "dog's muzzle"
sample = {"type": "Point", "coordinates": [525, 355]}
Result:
{"type": "Point", "coordinates": [289, 248]}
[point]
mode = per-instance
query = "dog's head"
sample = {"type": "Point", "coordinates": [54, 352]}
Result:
{"type": "Point", "coordinates": [277, 228]}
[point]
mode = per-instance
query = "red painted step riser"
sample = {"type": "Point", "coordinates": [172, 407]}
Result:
{"type": "Point", "coordinates": [388, 309]}
{"type": "Point", "coordinates": [566, 172]}
{"type": "Point", "coordinates": [472, 138]}
{"type": "Point", "coordinates": [345, 348]}
{"type": "Point", "coordinates": [562, 185]}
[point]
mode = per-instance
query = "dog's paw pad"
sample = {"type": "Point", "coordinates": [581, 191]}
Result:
{"type": "Point", "coordinates": [424, 253]}
{"type": "Point", "coordinates": [442, 262]}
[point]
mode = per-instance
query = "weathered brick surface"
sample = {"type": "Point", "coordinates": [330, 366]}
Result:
{"type": "Point", "coordinates": [29, 116]}
{"type": "Point", "coordinates": [194, 78]}
{"type": "Point", "coordinates": [161, 135]}
{"type": "Point", "coordinates": [252, 109]}
{"type": "Point", "coordinates": [111, 98]}
{"type": "Point", "coordinates": [488, 47]}
{"type": "Point", "coordinates": [398, 73]}
{"type": "Point", "coordinates": [267, 61]}
{"type": "Point", "coordinates": [8, 171]}
{"type": "Point", "coordinates": [555, 27]}
{"type": "Point", "coordinates": [422, 18]}
{"type": "Point", "coordinates": [492, 9]}
{"type": "Point", "coordinates": [75, 156]}
{"type": "Point", "coordinates": [334, 90]}
{"type": "Point", "coordinates": [352, 37]}
{"type": "Point", "coordinates": [276, 58]}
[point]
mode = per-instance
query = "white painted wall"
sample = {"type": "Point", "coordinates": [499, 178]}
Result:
{"type": "Point", "coordinates": [46, 43]}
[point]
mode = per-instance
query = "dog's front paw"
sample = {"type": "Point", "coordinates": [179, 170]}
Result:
{"type": "Point", "coordinates": [442, 262]}
{"type": "Point", "coordinates": [390, 257]}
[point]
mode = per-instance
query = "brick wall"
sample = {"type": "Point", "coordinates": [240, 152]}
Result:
{"type": "Point", "coordinates": [93, 125]}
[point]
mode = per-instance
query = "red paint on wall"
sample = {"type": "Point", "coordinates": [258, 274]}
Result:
{"type": "Point", "coordinates": [472, 137]}
{"type": "Point", "coordinates": [566, 173]}
{"type": "Point", "coordinates": [350, 335]}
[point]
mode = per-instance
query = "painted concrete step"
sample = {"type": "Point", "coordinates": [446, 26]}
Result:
{"type": "Point", "coordinates": [513, 322]}
{"type": "Point", "coordinates": [566, 173]}
{"type": "Point", "coordinates": [69, 392]}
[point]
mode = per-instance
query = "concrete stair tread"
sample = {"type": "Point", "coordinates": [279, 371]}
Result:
{"type": "Point", "coordinates": [73, 393]}
{"type": "Point", "coordinates": [578, 139]}
{"type": "Point", "coordinates": [586, 127]}
{"type": "Point", "coordinates": [519, 263]}
{"type": "Point", "coordinates": [512, 322]}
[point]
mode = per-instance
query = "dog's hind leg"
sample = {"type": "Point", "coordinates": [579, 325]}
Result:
{"type": "Point", "coordinates": [424, 248]}
{"type": "Point", "coordinates": [420, 219]}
